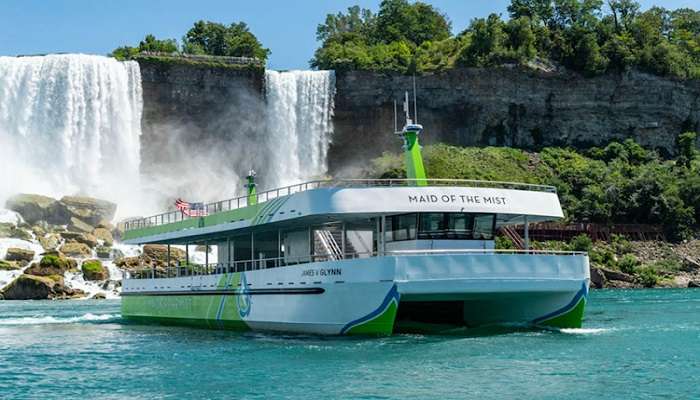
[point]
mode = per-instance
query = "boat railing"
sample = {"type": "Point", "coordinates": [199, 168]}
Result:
{"type": "Point", "coordinates": [150, 271]}
{"type": "Point", "coordinates": [242, 201]}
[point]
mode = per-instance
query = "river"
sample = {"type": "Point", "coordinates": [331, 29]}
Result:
{"type": "Point", "coordinates": [635, 344]}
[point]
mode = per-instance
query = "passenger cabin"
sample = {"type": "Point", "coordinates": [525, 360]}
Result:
{"type": "Point", "coordinates": [336, 220]}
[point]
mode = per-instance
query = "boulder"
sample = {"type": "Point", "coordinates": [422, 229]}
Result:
{"type": "Point", "coordinates": [597, 278]}
{"type": "Point", "coordinates": [50, 241]}
{"type": "Point", "coordinates": [51, 264]}
{"type": "Point", "coordinates": [89, 210]}
{"type": "Point", "coordinates": [612, 275]}
{"type": "Point", "coordinates": [104, 235]}
{"type": "Point", "coordinates": [34, 208]}
{"type": "Point", "coordinates": [78, 225]}
{"type": "Point", "coordinates": [99, 296]}
{"type": "Point", "coordinates": [6, 229]}
{"type": "Point", "coordinates": [18, 254]}
{"type": "Point", "coordinates": [8, 265]}
{"type": "Point", "coordinates": [30, 287]}
{"type": "Point", "coordinates": [87, 238]}
{"type": "Point", "coordinates": [38, 230]}
{"type": "Point", "coordinates": [103, 251]}
{"type": "Point", "coordinates": [128, 263]}
{"type": "Point", "coordinates": [694, 284]}
{"type": "Point", "coordinates": [93, 270]}
{"type": "Point", "coordinates": [21, 233]}
{"type": "Point", "coordinates": [75, 249]}
{"type": "Point", "coordinates": [159, 253]}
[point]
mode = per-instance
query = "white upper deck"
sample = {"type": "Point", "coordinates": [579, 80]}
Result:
{"type": "Point", "coordinates": [374, 197]}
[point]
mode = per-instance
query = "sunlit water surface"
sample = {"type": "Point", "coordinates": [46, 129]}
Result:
{"type": "Point", "coordinates": [635, 344]}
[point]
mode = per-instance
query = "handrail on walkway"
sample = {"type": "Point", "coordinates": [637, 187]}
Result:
{"type": "Point", "coordinates": [152, 272]}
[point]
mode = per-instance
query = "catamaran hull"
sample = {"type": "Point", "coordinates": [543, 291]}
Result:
{"type": "Point", "coordinates": [373, 296]}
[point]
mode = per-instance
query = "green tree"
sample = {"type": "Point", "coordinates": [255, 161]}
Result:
{"type": "Point", "coordinates": [234, 40]}
{"type": "Point", "coordinates": [487, 42]}
{"type": "Point", "coordinates": [416, 23]}
{"type": "Point", "coordinates": [150, 43]}
{"type": "Point", "coordinates": [686, 148]}
{"type": "Point", "coordinates": [359, 22]}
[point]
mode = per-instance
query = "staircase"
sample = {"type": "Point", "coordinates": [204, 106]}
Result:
{"type": "Point", "coordinates": [329, 243]}
{"type": "Point", "coordinates": [514, 237]}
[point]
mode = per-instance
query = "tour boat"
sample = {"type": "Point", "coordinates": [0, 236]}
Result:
{"type": "Point", "coordinates": [365, 256]}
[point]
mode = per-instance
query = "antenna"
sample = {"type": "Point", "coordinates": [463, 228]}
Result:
{"type": "Point", "coordinates": [415, 102]}
{"type": "Point", "coordinates": [396, 122]}
{"type": "Point", "coordinates": [406, 109]}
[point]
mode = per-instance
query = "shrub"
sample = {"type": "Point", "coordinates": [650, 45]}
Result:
{"type": "Point", "coordinates": [628, 263]}
{"type": "Point", "coordinates": [581, 243]}
{"type": "Point", "coordinates": [647, 277]}
{"type": "Point", "coordinates": [92, 267]}
{"type": "Point", "coordinates": [504, 243]}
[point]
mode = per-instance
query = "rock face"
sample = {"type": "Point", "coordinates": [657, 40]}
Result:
{"type": "Point", "coordinates": [499, 106]}
{"type": "Point", "coordinates": [80, 213]}
{"type": "Point", "coordinates": [514, 107]}
{"type": "Point", "coordinates": [205, 106]}
{"type": "Point", "coordinates": [34, 208]}
{"type": "Point", "coordinates": [17, 254]}
{"type": "Point", "coordinates": [29, 287]}
{"type": "Point", "coordinates": [89, 210]}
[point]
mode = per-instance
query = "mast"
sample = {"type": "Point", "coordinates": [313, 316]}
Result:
{"type": "Point", "coordinates": [412, 150]}
{"type": "Point", "coordinates": [250, 185]}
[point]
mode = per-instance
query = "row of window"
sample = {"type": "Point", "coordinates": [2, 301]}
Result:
{"type": "Point", "coordinates": [456, 226]}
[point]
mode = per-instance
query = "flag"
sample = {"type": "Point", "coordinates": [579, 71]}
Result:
{"type": "Point", "coordinates": [191, 209]}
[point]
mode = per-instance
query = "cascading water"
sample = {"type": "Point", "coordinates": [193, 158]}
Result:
{"type": "Point", "coordinates": [70, 124]}
{"type": "Point", "coordinates": [299, 125]}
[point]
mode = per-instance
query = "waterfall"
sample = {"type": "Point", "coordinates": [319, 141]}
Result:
{"type": "Point", "coordinates": [299, 125]}
{"type": "Point", "coordinates": [70, 124]}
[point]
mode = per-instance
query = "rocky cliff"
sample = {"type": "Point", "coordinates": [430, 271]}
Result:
{"type": "Point", "coordinates": [512, 107]}
{"type": "Point", "coordinates": [190, 107]}
{"type": "Point", "coordinates": [203, 106]}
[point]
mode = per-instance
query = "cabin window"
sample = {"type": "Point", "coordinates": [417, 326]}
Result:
{"type": "Point", "coordinates": [401, 227]}
{"type": "Point", "coordinates": [483, 226]}
{"type": "Point", "coordinates": [440, 226]}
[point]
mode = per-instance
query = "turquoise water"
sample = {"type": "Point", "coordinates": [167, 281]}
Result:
{"type": "Point", "coordinates": [635, 344]}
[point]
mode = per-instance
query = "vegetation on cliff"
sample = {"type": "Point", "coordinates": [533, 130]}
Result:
{"type": "Point", "coordinates": [204, 38]}
{"type": "Point", "coordinates": [620, 183]}
{"type": "Point", "coordinates": [578, 34]}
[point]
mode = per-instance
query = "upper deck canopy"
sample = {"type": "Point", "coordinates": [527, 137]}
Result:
{"type": "Point", "coordinates": [361, 198]}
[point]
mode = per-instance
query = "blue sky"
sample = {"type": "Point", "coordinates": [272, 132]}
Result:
{"type": "Point", "coordinates": [286, 27]}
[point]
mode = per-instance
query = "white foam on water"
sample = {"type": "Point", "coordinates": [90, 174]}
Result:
{"type": "Point", "coordinates": [45, 320]}
{"type": "Point", "coordinates": [584, 331]}
{"type": "Point", "coordinates": [9, 217]}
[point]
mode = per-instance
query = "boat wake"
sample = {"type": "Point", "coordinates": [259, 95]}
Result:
{"type": "Point", "coordinates": [47, 320]}
{"type": "Point", "coordinates": [584, 331]}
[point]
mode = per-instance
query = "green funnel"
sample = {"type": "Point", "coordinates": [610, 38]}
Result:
{"type": "Point", "coordinates": [252, 191]}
